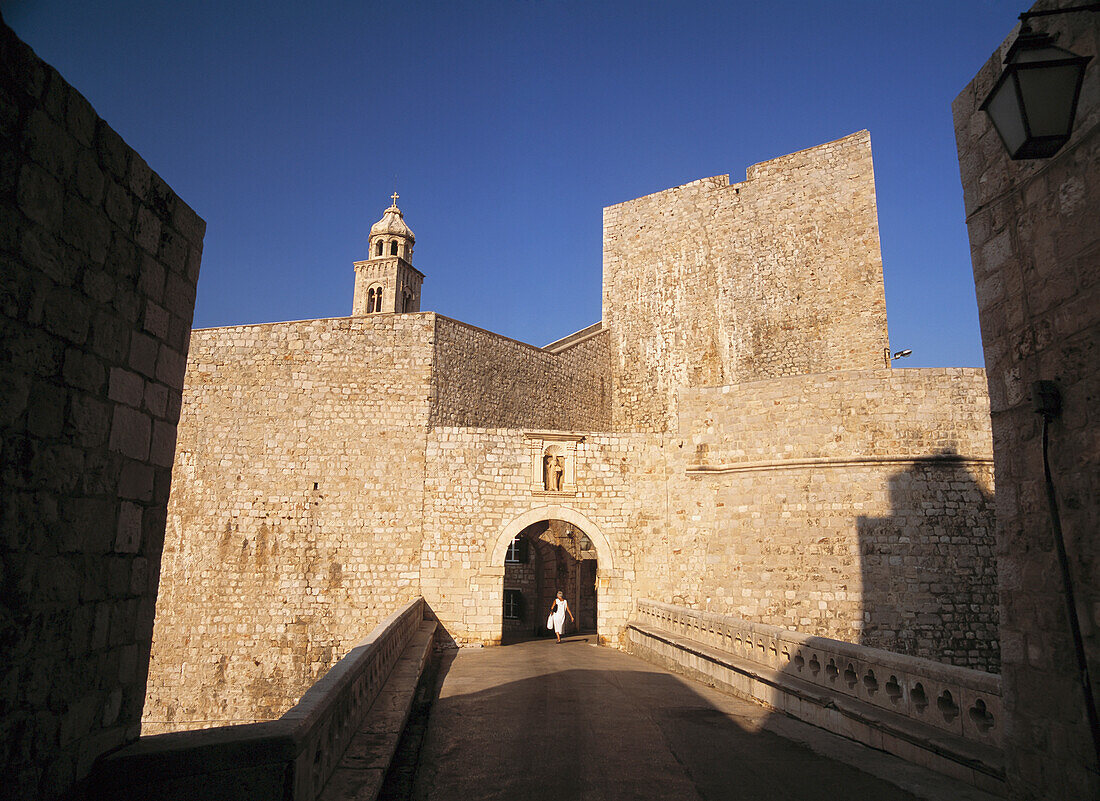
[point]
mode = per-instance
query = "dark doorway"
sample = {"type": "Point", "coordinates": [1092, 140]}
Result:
{"type": "Point", "coordinates": [545, 558]}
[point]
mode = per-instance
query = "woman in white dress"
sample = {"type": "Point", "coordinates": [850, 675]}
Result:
{"type": "Point", "coordinates": [559, 610]}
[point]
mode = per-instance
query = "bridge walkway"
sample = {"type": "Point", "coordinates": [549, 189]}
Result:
{"type": "Point", "coordinates": [537, 720]}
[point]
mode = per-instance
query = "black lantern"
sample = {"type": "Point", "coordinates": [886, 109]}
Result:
{"type": "Point", "coordinates": [1033, 103]}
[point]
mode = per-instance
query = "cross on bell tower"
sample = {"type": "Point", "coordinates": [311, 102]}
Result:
{"type": "Point", "coordinates": [386, 281]}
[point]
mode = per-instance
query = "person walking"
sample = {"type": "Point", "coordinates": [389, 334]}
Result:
{"type": "Point", "coordinates": [559, 610]}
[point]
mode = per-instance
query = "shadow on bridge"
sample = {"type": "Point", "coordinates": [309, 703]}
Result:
{"type": "Point", "coordinates": [547, 721]}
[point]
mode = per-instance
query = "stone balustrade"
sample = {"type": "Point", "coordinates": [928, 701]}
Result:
{"type": "Point", "coordinates": [944, 717]}
{"type": "Point", "coordinates": [291, 758]}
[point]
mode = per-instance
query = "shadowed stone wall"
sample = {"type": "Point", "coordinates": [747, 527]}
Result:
{"type": "Point", "coordinates": [97, 289]}
{"type": "Point", "coordinates": [330, 469]}
{"type": "Point", "coordinates": [483, 379]}
{"type": "Point", "coordinates": [710, 283]}
{"type": "Point", "coordinates": [1035, 246]}
{"type": "Point", "coordinates": [855, 505]}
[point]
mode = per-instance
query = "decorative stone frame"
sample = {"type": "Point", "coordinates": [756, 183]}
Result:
{"type": "Point", "coordinates": [541, 444]}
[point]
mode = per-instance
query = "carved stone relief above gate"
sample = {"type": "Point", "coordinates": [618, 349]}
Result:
{"type": "Point", "coordinates": [553, 457]}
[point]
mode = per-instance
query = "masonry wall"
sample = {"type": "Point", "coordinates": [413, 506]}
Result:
{"type": "Point", "coordinates": [98, 263]}
{"type": "Point", "coordinates": [710, 284]}
{"type": "Point", "coordinates": [479, 495]}
{"type": "Point", "coordinates": [295, 520]}
{"type": "Point", "coordinates": [1035, 245]}
{"type": "Point", "coordinates": [484, 379]}
{"type": "Point", "coordinates": [855, 505]}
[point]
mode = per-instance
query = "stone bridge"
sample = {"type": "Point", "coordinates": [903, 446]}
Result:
{"type": "Point", "coordinates": [704, 707]}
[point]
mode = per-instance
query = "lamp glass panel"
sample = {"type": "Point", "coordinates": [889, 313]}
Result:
{"type": "Point", "coordinates": [1048, 98]}
{"type": "Point", "coordinates": [1048, 53]}
{"type": "Point", "coordinates": [1006, 114]}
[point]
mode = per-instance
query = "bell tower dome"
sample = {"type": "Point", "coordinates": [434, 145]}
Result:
{"type": "Point", "coordinates": [386, 282]}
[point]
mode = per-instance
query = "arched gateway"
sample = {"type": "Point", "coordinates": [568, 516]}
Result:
{"type": "Point", "coordinates": [545, 550]}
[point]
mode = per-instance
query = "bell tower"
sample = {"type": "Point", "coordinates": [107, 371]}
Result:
{"type": "Point", "coordinates": [386, 282]}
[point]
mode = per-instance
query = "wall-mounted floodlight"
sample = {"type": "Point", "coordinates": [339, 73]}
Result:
{"type": "Point", "coordinates": [901, 354]}
{"type": "Point", "coordinates": [1034, 102]}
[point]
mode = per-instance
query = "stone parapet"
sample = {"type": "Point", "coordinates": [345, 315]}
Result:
{"type": "Point", "coordinates": [943, 717]}
{"type": "Point", "coordinates": [293, 758]}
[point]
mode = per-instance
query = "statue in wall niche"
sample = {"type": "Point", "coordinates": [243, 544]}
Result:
{"type": "Point", "coordinates": [552, 476]}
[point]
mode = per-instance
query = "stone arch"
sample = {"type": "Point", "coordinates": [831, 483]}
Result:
{"type": "Point", "coordinates": [604, 560]}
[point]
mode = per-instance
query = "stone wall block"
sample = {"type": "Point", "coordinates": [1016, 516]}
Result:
{"type": "Point", "coordinates": [46, 411]}
{"type": "Point", "coordinates": [99, 286]}
{"type": "Point", "coordinates": [151, 280]}
{"type": "Point", "coordinates": [67, 314]}
{"type": "Point", "coordinates": [114, 155]}
{"type": "Point", "coordinates": [40, 196]}
{"type": "Point", "coordinates": [109, 338]}
{"type": "Point", "coordinates": [171, 366]}
{"type": "Point", "coordinates": [147, 230]}
{"type": "Point", "coordinates": [162, 200]}
{"type": "Point", "coordinates": [143, 354]}
{"type": "Point", "coordinates": [153, 522]}
{"type": "Point", "coordinates": [20, 70]}
{"type": "Point", "coordinates": [156, 399]}
{"type": "Point", "coordinates": [89, 178]}
{"type": "Point", "coordinates": [155, 320]}
{"type": "Point", "coordinates": [81, 118]}
{"type": "Point", "coordinates": [89, 419]}
{"type": "Point", "coordinates": [14, 394]}
{"type": "Point", "coordinates": [118, 205]}
{"type": "Point", "coordinates": [194, 259]}
{"type": "Point", "coordinates": [83, 370]}
{"type": "Point", "coordinates": [49, 145]}
{"type": "Point", "coordinates": [139, 178]}
{"type": "Point", "coordinates": [45, 252]}
{"type": "Point", "coordinates": [179, 296]}
{"type": "Point", "coordinates": [190, 225]}
{"type": "Point", "coordinates": [128, 538]}
{"type": "Point", "coordinates": [130, 433]}
{"type": "Point", "coordinates": [163, 444]}
{"type": "Point", "coordinates": [127, 303]}
{"type": "Point", "coordinates": [173, 252]}
{"type": "Point", "coordinates": [55, 98]}
{"type": "Point", "coordinates": [88, 525]}
{"type": "Point", "coordinates": [86, 230]}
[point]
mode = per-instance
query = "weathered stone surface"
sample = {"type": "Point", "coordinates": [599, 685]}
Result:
{"type": "Point", "coordinates": [73, 435]}
{"type": "Point", "coordinates": [1035, 245]}
{"type": "Point", "coordinates": [344, 466]}
{"type": "Point", "coordinates": [710, 283]}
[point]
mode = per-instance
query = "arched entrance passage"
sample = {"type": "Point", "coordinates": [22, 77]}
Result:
{"type": "Point", "coordinates": [549, 549]}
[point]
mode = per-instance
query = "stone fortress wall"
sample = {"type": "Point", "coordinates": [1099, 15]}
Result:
{"type": "Point", "coordinates": [710, 284]}
{"type": "Point", "coordinates": [294, 524]}
{"type": "Point", "coordinates": [296, 521]}
{"type": "Point", "coordinates": [880, 538]}
{"type": "Point", "coordinates": [424, 438]}
{"type": "Point", "coordinates": [98, 264]}
{"type": "Point", "coordinates": [1035, 248]}
{"type": "Point", "coordinates": [854, 504]}
{"type": "Point", "coordinates": [485, 380]}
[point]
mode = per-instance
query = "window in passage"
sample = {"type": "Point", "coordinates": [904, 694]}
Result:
{"type": "Point", "coordinates": [378, 250]}
{"type": "Point", "coordinates": [513, 605]}
{"type": "Point", "coordinates": [393, 248]}
{"type": "Point", "coordinates": [517, 551]}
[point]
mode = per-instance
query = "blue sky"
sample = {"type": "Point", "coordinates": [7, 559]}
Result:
{"type": "Point", "coordinates": [510, 125]}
